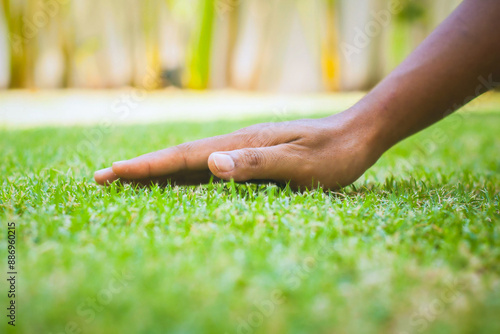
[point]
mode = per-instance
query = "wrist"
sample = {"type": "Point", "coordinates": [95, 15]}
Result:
{"type": "Point", "coordinates": [361, 126]}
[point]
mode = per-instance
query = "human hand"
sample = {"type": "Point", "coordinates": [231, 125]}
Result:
{"type": "Point", "coordinates": [330, 152]}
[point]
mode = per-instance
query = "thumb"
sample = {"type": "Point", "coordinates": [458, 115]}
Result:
{"type": "Point", "coordinates": [263, 163]}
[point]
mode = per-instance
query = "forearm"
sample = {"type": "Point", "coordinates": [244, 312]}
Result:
{"type": "Point", "coordinates": [459, 61]}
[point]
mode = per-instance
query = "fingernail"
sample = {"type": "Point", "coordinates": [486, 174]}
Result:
{"type": "Point", "coordinates": [100, 172]}
{"type": "Point", "coordinates": [104, 176]}
{"type": "Point", "coordinates": [223, 162]}
{"type": "Point", "coordinates": [118, 162]}
{"type": "Point", "coordinates": [121, 165]}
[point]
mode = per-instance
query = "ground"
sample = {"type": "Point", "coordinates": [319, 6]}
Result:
{"type": "Point", "coordinates": [413, 246]}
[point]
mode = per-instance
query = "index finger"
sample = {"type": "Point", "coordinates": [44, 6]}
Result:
{"type": "Point", "coordinates": [191, 156]}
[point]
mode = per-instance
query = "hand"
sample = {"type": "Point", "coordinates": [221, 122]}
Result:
{"type": "Point", "coordinates": [330, 152]}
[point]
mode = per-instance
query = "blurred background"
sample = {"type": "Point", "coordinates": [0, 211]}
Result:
{"type": "Point", "coordinates": [260, 45]}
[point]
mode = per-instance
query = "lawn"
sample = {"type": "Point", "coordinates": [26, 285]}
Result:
{"type": "Point", "coordinates": [412, 247]}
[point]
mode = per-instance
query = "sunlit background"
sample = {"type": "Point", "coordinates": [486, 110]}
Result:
{"type": "Point", "coordinates": [263, 45]}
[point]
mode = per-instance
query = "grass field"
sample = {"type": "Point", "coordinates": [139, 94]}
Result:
{"type": "Point", "coordinates": [412, 247]}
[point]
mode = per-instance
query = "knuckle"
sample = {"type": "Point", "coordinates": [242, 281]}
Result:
{"type": "Point", "coordinates": [244, 135]}
{"type": "Point", "coordinates": [253, 158]}
{"type": "Point", "coordinates": [307, 170]}
{"type": "Point", "coordinates": [257, 135]}
{"type": "Point", "coordinates": [183, 151]}
{"type": "Point", "coordinates": [184, 147]}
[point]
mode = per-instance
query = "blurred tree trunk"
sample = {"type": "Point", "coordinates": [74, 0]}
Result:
{"type": "Point", "coordinates": [22, 37]}
{"type": "Point", "coordinates": [4, 49]}
{"type": "Point", "coordinates": [67, 43]}
{"type": "Point", "coordinates": [376, 48]}
{"type": "Point", "coordinates": [411, 26]}
{"type": "Point", "coordinates": [329, 48]}
{"type": "Point", "coordinates": [223, 41]}
{"type": "Point", "coordinates": [277, 24]}
{"type": "Point", "coordinates": [248, 48]}
{"type": "Point", "coordinates": [150, 34]}
{"type": "Point", "coordinates": [356, 45]}
{"type": "Point", "coordinates": [200, 46]}
{"type": "Point", "coordinates": [300, 64]}
{"type": "Point", "coordinates": [233, 20]}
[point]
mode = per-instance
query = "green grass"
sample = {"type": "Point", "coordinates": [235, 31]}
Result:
{"type": "Point", "coordinates": [412, 247]}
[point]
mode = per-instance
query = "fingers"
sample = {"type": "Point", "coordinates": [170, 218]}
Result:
{"type": "Point", "coordinates": [188, 156]}
{"type": "Point", "coordinates": [277, 163]}
{"type": "Point", "coordinates": [194, 155]}
{"type": "Point", "coordinates": [105, 176]}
